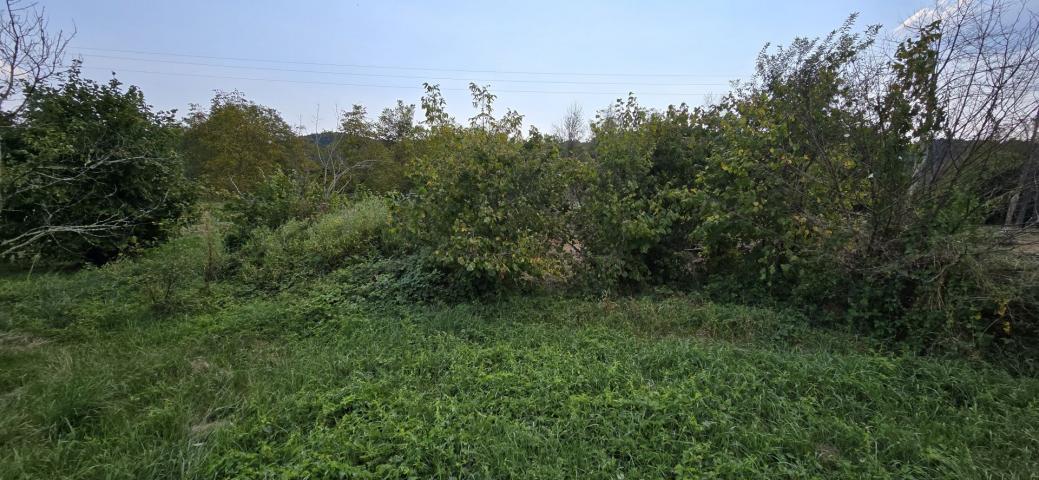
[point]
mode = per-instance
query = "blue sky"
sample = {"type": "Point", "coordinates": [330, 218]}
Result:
{"type": "Point", "coordinates": [696, 47]}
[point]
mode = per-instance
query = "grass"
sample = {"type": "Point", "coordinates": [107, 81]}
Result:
{"type": "Point", "coordinates": [314, 383]}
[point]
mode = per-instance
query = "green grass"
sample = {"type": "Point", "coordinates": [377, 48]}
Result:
{"type": "Point", "coordinates": [317, 384]}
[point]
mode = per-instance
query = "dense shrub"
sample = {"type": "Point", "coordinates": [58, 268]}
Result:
{"type": "Point", "coordinates": [805, 186]}
{"type": "Point", "coordinates": [302, 248]}
{"type": "Point", "coordinates": [170, 276]}
{"type": "Point", "coordinates": [275, 200]}
{"type": "Point", "coordinates": [88, 170]}
{"type": "Point", "coordinates": [635, 212]}
{"type": "Point", "coordinates": [176, 276]}
{"type": "Point", "coordinates": [488, 206]}
{"type": "Point", "coordinates": [825, 207]}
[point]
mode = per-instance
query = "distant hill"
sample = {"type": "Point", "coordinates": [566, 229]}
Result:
{"type": "Point", "coordinates": [323, 139]}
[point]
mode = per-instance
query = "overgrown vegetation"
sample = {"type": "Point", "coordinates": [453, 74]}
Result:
{"type": "Point", "coordinates": [88, 170]}
{"type": "Point", "coordinates": [324, 379]}
{"type": "Point", "coordinates": [820, 274]}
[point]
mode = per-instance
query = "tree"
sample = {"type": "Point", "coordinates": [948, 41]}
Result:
{"type": "Point", "coordinates": [347, 158]}
{"type": "Point", "coordinates": [982, 76]}
{"type": "Point", "coordinates": [397, 124]}
{"type": "Point", "coordinates": [232, 145]}
{"type": "Point", "coordinates": [401, 136]}
{"type": "Point", "coordinates": [30, 54]}
{"type": "Point", "coordinates": [90, 169]}
{"type": "Point", "coordinates": [572, 129]}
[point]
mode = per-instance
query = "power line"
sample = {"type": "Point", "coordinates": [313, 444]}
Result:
{"type": "Point", "coordinates": [413, 77]}
{"type": "Point", "coordinates": [396, 67]}
{"type": "Point", "coordinates": [368, 85]}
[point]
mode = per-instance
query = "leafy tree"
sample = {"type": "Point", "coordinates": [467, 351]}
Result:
{"type": "Point", "coordinates": [397, 124]}
{"type": "Point", "coordinates": [88, 170]}
{"type": "Point", "coordinates": [230, 146]}
{"type": "Point", "coordinates": [348, 156]}
{"type": "Point", "coordinates": [401, 136]}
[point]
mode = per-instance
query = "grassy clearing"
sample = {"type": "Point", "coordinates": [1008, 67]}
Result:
{"type": "Point", "coordinates": [307, 385]}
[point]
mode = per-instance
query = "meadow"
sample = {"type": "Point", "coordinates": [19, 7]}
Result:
{"type": "Point", "coordinates": [319, 382]}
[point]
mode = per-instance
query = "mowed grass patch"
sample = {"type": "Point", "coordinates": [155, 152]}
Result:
{"type": "Point", "coordinates": [529, 388]}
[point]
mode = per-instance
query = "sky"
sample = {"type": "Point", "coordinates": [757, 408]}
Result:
{"type": "Point", "coordinates": [308, 59]}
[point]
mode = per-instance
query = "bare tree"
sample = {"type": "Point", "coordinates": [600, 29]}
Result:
{"type": "Point", "coordinates": [986, 92]}
{"type": "Point", "coordinates": [573, 127]}
{"type": "Point", "coordinates": [30, 53]}
{"type": "Point", "coordinates": [337, 152]}
{"type": "Point", "coordinates": [957, 99]}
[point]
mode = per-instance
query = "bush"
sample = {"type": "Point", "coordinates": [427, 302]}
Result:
{"type": "Point", "coordinates": [275, 200]}
{"type": "Point", "coordinates": [170, 276]}
{"type": "Point", "coordinates": [635, 213]}
{"type": "Point", "coordinates": [89, 171]}
{"type": "Point", "coordinates": [177, 275]}
{"type": "Point", "coordinates": [489, 207]}
{"type": "Point", "coordinates": [276, 258]}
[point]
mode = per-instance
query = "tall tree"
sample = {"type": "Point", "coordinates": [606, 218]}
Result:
{"type": "Point", "coordinates": [230, 146]}
{"type": "Point", "coordinates": [350, 153]}
{"type": "Point", "coordinates": [397, 124]}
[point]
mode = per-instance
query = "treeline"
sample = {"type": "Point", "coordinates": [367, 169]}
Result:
{"type": "Point", "coordinates": [849, 183]}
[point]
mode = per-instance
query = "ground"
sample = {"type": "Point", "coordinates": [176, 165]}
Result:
{"type": "Point", "coordinates": [314, 385]}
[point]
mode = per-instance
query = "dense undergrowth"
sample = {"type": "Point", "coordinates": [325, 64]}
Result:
{"type": "Point", "coordinates": [800, 280]}
{"type": "Point", "coordinates": [840, 181]}
{"type": "Point", "coordinates": [337, 377]}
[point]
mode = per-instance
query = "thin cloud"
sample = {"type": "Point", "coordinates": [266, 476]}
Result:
{"type": "Point", "coordinates": [928, 14]}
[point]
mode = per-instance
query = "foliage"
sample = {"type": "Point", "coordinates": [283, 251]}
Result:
{"type": "Point", "coordinates": [87, 170]}
{"type": "Point", "coordinates": [170, 276]}
{"type": "Point", "coordinates": [825, 206]}
{"type": "Point", "coordinates": [275, 200]}
{"type": "Point", "coordinates": [533, 387]}
{"type": "Point", "coordinates": [636, 212]}
{"type": "Point", "coordinates": [488, 205]}
{"type": "Point", "coordinates": [231, 146]}
{"type": "Point", "coordinates": [397, 130]}
{"type": "Point", "coordinates": [276, 258]}
{"type": "Point", "coordinates": [174, 277]}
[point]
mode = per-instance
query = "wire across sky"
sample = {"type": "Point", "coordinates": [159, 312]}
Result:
{"type": "Point", "coordinates": [542, 81]}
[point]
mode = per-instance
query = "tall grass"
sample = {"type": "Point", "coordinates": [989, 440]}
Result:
{"type": "Point", "coordinates": [532, 388]}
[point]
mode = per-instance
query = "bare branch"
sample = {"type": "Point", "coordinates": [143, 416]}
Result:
{"type": "Point", "coordinates": [30, 54]}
